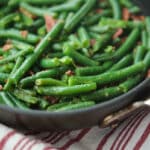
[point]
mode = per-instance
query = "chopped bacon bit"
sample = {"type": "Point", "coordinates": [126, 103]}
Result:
{"type": "Point", "coordinates": [9, 41]}
{"type": "Point", "coordinates": [123, 39]}
{"type": "Point", "coordinates": [24, 33]}
{"type": "Point", "coordinates": [99, 11]}
{"type": "Point", "coordinates": [28, 14]}
{"type": "Point", "coordinates": [1, 87]}
{"type": "Point", "coordinates": [1, 57]}
{"type": "Point", "coordinates": [148, 74]}
{"type": "Point", "coordinates": [31, 72]}
{"type": "Point", "coordinates": [92, 42]}
{"type": "Point", "coordinates": [69, 73]}
{"type": "Point", "coordinates": [7, 47]}
{"type": "Point", "coordinates": [126, 14]}
{"type": "Point", "coordinates": [137, 18]}
{"type": "Point", "coordinates": [51, 99]}
{"type": "Point", "coordinates": [50, 22]}
{"type": "Point", "coordinates": [139, 43]}
{"type": "Point", "coordinates": [118, 33]}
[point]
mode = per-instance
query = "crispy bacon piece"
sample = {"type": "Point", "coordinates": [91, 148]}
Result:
{"type": "Point", "coordinates": [126, 14]}
{"type": "Point", "coordinates": [69, 73]}
{"type": "Point", "coordinates": [1, 87]}
{"type": "Point", "coordinates": [7, 47]}
{"type": "Point", "coordinates": [51, 99]}
{"type": "Point", "coordinates": [118, 33]}
{"type": "Point", "coordinates": [99, 11]}
{"type": "Point", "coordinates": [24, 33]}
{"type": "Point", "coordinates": [92, 42]}
{"type": "Point", "coordinates": [148, 73]}
{"type": "Point", "coordinates": [50, 22]}
{"type": "Point", "coordinates": [137, 18]}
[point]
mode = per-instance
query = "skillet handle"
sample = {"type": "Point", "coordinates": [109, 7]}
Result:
{"type": "Point", "coordinates": [118, 117]}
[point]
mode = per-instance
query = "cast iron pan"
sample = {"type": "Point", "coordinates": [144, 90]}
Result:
{"type": "Point", "coordinates": [83, 118]}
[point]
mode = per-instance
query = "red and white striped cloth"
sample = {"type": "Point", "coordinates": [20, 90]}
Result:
{"type": "Point", "coordinates": [132, 134]}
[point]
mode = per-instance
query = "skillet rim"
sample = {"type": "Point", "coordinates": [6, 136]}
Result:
{"type": "Point", "coordinates": [117, 99]}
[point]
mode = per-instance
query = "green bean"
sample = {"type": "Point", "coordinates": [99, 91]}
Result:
{"type": "Point", "coordinates": [124, 62]}
{"type": "Point", "coordinates": [25, 97]}
{"type": "Point", "coordinates": [42, 30]}
{"type": "Point", "coordinates": [57, 46]}
{"type": "Point", "coordinates": [110, 77]}
{"type": "Point", "coordinates": [74, 41]}
{"type": "Point", "coordinates": [89, 4]}
{"type": "Point", "coordinates": [36, 2]}
{"type": "Point", "coordinates": [93, 19]}
{"type": "Point", "coordinates": [139, 54]}
{"type": "Point", "coordinates": [49, 82]}
{"type": "Point", "coordinates": [78, 57]}
{"type": "Point", "coordinates": [55, 62]}
{"type": "Point", "coordinates": [102, 41]}
{"type": "Point", "coordinates": [85, 71]}
{"type": "Point", "coordinates": [15, 34]}
{"type": "Point", "coordinates": [8, 19]}
{"type": "Point", "coordinates": [17, 102]}
{"type": "Point", "coordinates": [126, 3]}
{"type": "Point", "coordinates": [116, 8]}
{"type": "Point", "coordinates": [57, 54]}
{"type": "Point", "coordinates": [50, 63]}
{"type": "Point", "coordinates": [107, 24]}
{"type": "Point", "coordinates": [22, 45]}
{"type": "Point", "coordinates": [125, 47]}
{"type": "Point", "coordinates": [36, 24]}
{"type": "Point", "coordinates": [43, 104]}
{"type": "Point", "coordinates": [17, 65]}
{"type": "Point", "coordinates": [36, 11]}
{"type": "Point", "coordinates": [111, 92]}
{"type": "Point", "coordinates": [75, 106]}
{"type": "Point", "coordinates": [134, 10]}
{"type": "Point", "coordinates": [69, 17]}
{"type": "Point", "coordinates": [28, 63]}
{"type": "Point", "coordinates": [3, 77]}
{"type": "Point", "coordinates": [148, 30]}
{"type": "Point", "coordinates": [100, 29]}
{"type": "Point", "coordinates": [6, 99]}
{"type": "Point", "coordinates": [84, 37]}
{"type": "Point", "coordinates": [6, 68]}
{"type": "Point", "coordinates": [144, 38]}
{"type": "Point", "coordinates": [147, 60]}
{"type": "Point", "coordinates": [13, 57]}
{"type": "Point", "coordinates": [67, 6]}
{"type": "Point", "coordinates": [66, 90]}
{"type": "Point", "coordinates": [53, 73]}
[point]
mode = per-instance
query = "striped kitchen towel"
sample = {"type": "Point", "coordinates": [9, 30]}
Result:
{"type": "Point", "coordinates": [132, 134]}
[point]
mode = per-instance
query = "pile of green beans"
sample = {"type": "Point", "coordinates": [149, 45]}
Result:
{"type": "Point", "coordinates": [60, 55]}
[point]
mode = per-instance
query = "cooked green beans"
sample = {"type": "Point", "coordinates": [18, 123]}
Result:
{"type": "Point", "coordinates": [75, 106]}
{"type": "Point", "coordinates": [37, 52]}
{"type": "Point", "coordinates": [79, 15]}
{"type": "Point", "coordinates": [116, 8]}
{"type": "Point", "coordinates": [13, 57]}
{"type": "Point", "coordinates": [110, 76]}
{"type": "Point", "coordinates": [81, 59]}
{"type": "Point", "coordinates": [15, 34]}
{"type": "Point", "coordinates": [66, 90]}
{"type": "Point", "coordinates": [61, 55]}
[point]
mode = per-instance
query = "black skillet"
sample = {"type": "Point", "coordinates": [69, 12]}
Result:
{"type": "Point", "coordinates": [83, 118]}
